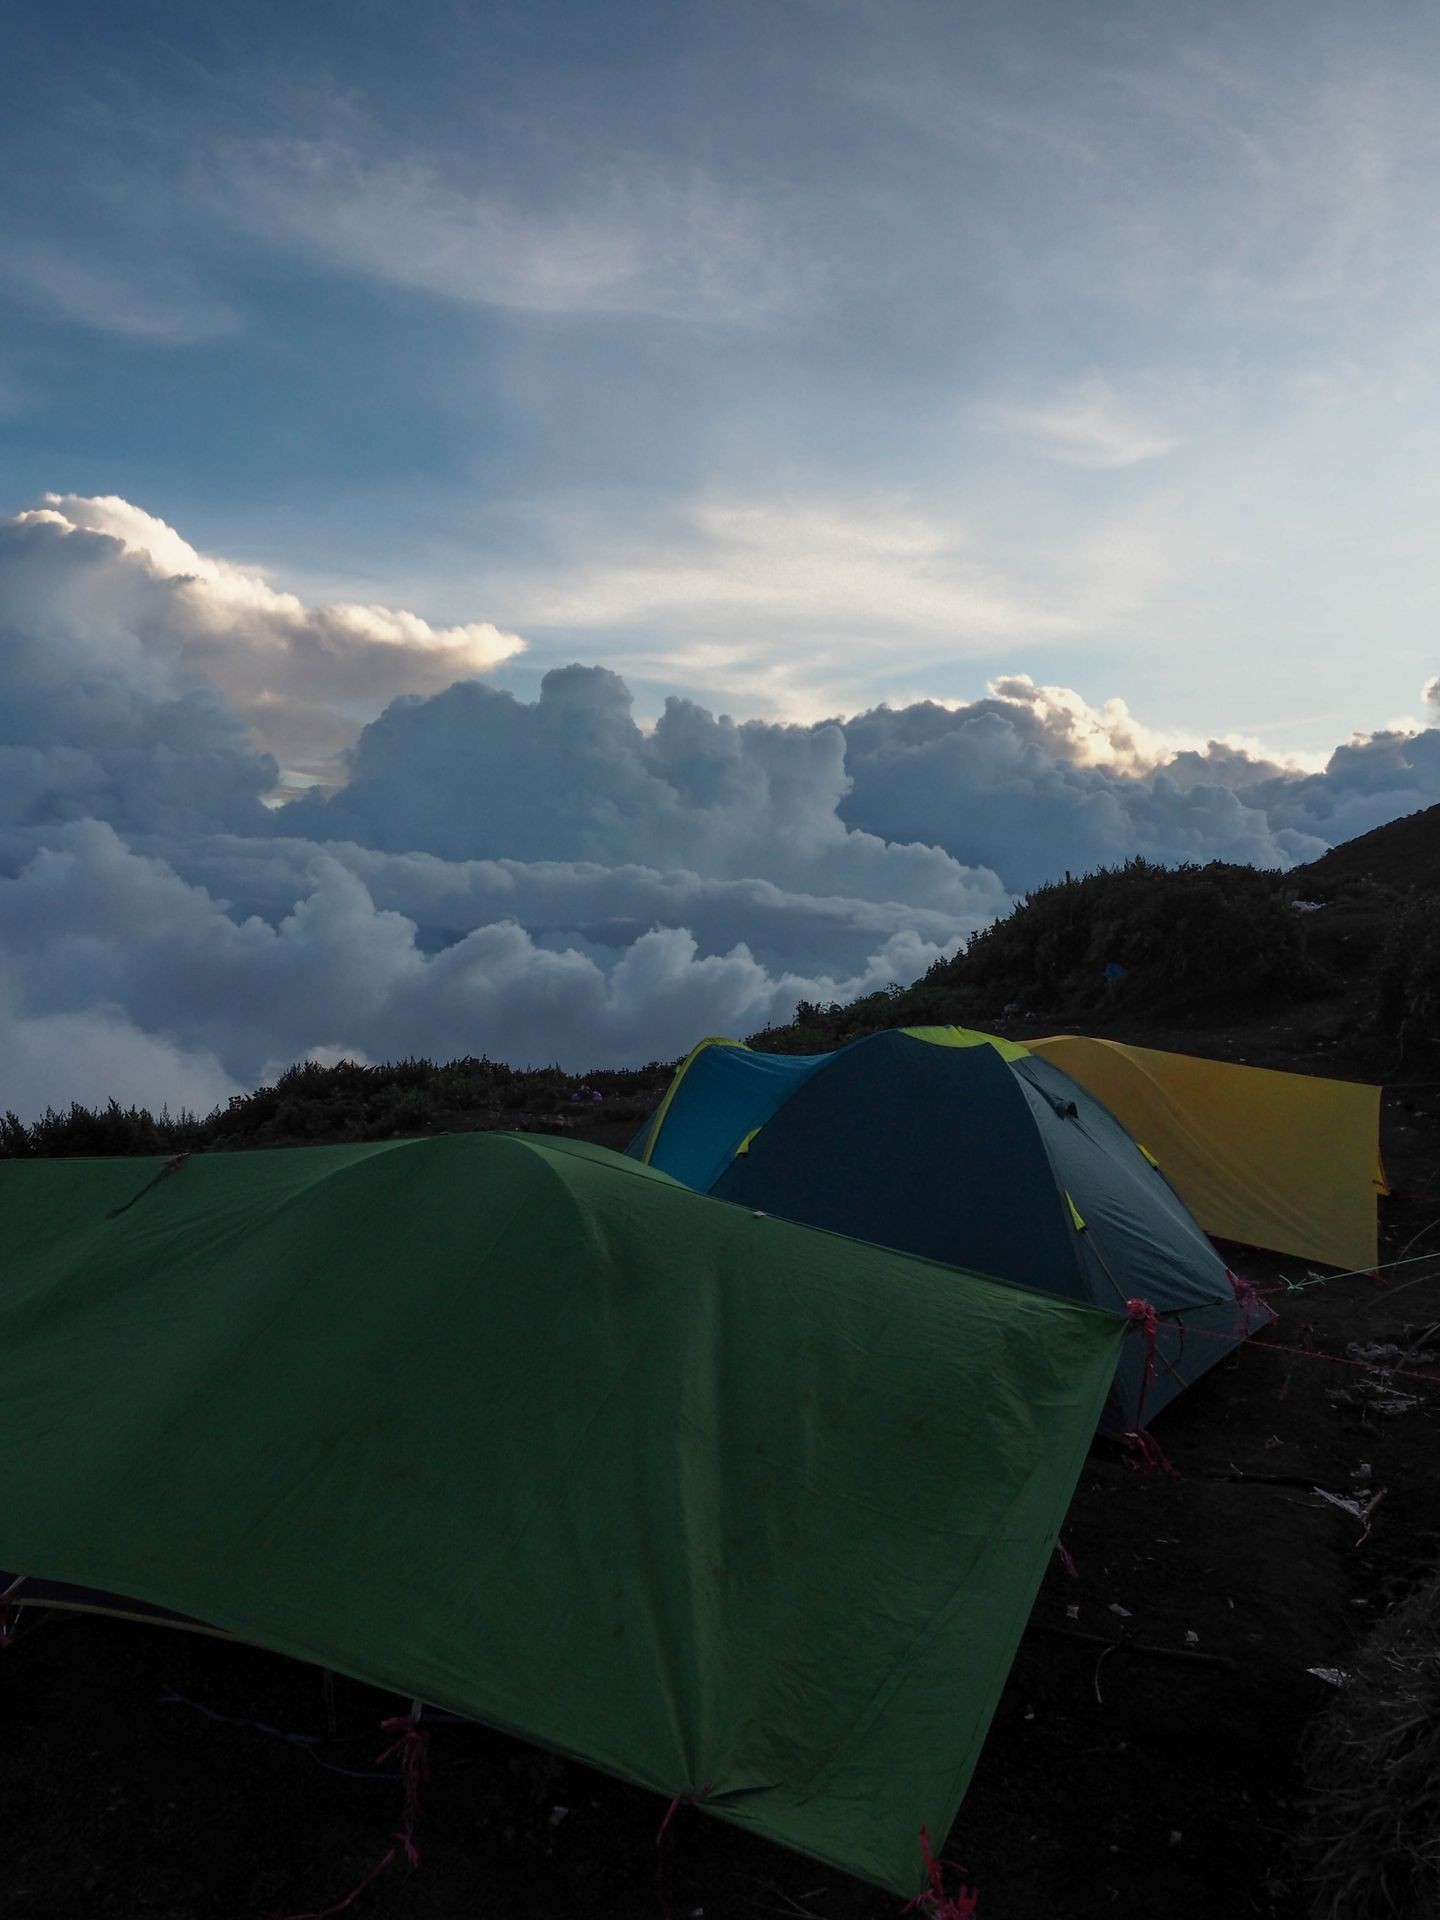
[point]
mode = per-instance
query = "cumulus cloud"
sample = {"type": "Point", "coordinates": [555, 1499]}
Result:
{"type": "Point", "coordinates": [96, 1055]}
{"type": "Point", "coordinates": [594, 908]}
{"type": "Point", "coordinates": [1373, 778]}
{"type": "Point", "coordinates": [226, 996]}
{"type": "Point", "coordinates": [541, 880]}
{"type": "Point", "coordinates": [1044, 784]}
{"type": "Point", "coordinates": [474, 773]}
{"type": "Point", "coordinates": [97, 715]}
{"type": "Point", "coordinates": [301, 678]}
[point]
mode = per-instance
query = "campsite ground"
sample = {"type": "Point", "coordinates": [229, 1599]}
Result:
{"type": "Point", "coordinates": [1131, 1770]}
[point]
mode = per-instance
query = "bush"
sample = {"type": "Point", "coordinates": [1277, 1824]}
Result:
{"type": "Point", "coordinates": [1407, 983]}
{"type": "Point", "coordinates": [310, 1103]}
{"type": "Point", "coordinates": [1370, 1843]}
{"type": "Point", "coordinates": [1183, 937]}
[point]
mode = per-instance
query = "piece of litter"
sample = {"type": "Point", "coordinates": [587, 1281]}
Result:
{"type": "Point", "coordinates": [1332, 1676]}
{"type": "Point", "coordinates": [1192, 1639]}
{"type": "Point", "coordinates": [1344, 1501]}
{"type": "Point", "coordinates": [1363, 1509]}
{"type": "Point", "coordinates": [1124, 1612]}
{"type": "Point", "coordinates": [1072, 1612]}
{"type": "Point", "coordinates": [1176, 1836]}
{"type": "Point", "coordinates": [557, 1814]}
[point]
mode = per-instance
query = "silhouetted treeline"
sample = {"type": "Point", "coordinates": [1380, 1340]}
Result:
{"type": "Point", "coordinates": [311, 1104]}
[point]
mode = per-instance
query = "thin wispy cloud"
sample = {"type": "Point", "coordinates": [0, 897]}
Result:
{"type": "Point", "coordinates": [1088, 426]}
{"type": "Point", "coordinates": [859, 573]}
{"type": "Point", "coordinates": [150, 300]}
{"type": "Point", "coordinates": [622, 236]}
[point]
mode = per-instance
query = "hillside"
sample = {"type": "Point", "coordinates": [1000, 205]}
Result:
{"type": "Point", "coordinates": [1402, 855]}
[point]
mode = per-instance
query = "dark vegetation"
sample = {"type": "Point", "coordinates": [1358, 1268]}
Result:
{"type": "Point", "coordinates": [1370, 1847]}
{"type": "Point", "coordinates": [310, 1104]}
{"type": "Point", "coordinates": [1164, 1744]}
{"type": "Point", "coordinates": [1345, 955]}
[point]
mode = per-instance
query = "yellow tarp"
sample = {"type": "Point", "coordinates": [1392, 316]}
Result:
{"type": "Point", "coordinates": [1274, 1160]}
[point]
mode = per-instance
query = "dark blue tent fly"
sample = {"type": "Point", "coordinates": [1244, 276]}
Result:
{"type": "Point", "coordinates": [972, 1151]}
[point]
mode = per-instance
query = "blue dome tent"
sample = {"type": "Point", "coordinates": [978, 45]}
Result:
{"type": "Point", "coordinates": [972, 1151]}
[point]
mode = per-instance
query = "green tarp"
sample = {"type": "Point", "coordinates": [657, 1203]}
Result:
{"type": "Point", "coordinates": [707, 1499]}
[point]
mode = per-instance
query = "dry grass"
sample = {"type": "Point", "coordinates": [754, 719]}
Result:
{"type": "Point", "coordinates": [1370, 1845]}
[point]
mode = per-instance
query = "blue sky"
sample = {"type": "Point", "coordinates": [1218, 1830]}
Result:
{"type": "Point", "coordinates": [794, 356]}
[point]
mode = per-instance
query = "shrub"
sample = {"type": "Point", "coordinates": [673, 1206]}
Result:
{"type": "Point", "coordinates": [1407, 983]}
{"type": "Point", "coordinates": [1370, 1843]}
{"type": "Point", "coordinates": [310, 1103]}
{"type": "Point", "coordinates": [1183, 937]}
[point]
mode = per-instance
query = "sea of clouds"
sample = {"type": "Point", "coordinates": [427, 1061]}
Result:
{"type": "Point", "coordinates": [474, 873]}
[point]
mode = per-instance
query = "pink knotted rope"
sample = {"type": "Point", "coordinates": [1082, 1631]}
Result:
{"type": "Point", "coordinates": [1142, 1315]}
{"type": "Point", "coordinates": [691, 1797]}
{"type": "Point", "coordinates": [935, 1902]}
{"type": "Point", "coordinates": [1247, 1299]}
{"type": "Point", "coordinates": [1149, 1455]}
{"type": "Point", "coordinates": [412, 1746]}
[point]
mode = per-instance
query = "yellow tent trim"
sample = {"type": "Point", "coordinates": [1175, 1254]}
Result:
{"type": "Point", "coordinates": [1277, 1160]}
{"type": "Point", "coordinates": [1074, 1213]}
{"type": "Point", "coordinates": [744, 1146]}
{"type": "Point", "coordinates": [714, 1040]}
{"type": "Point", "coordinates": [968, 1037]}
{"type": "Point", "coordinates": [1148, 1155]}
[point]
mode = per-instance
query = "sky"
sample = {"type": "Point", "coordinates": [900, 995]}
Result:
{"type": "Point", "coordinates": [702, 504]}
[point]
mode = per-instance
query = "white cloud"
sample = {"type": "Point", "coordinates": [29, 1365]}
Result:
{"type": "Point", "coordinates": [303, 678]}
{"type": "Point", "coordinates": [539, 880]}
{"type": "Point", "coordinates": [98, 1054]}
{"type": "Point", "coordinates": [475, 774]}
{"type": "Point", "coordinates": [91, 928]}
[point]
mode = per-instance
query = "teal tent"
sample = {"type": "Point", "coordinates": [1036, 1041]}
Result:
{"type": "Point", "coordinates": [968, 1149]}
{"type": "Point", "coordinates": [720, 1504]}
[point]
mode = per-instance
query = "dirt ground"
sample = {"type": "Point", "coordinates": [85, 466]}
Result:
{"type": "Point", "coordinates": [1142, 1763]}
